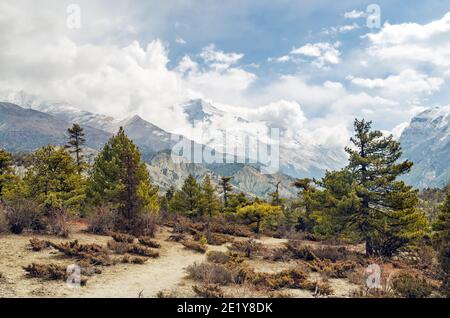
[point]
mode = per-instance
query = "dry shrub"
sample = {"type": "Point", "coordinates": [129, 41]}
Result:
{"type": "Point", "coordinates": [49, 272]}
{"type": "Point", "coordinates": [218, 257]}
{"type": "Point", "coordinates": [3, 219]}
{"type": "Point", "coordinates": [340, 269]}
{"type": "Point", "coordinates": [176, 237]}
{"type": "Point", "coordinates": [217, 239]}
{"type": "Point", "coordinates": [208, 291]}
{"type": "Point", "coordinates": [293, 278]}
{"type": "Point", "coordinates": [247, 248]}
{"type": "Point", "coordinates": [195, 246]}
{"type": "Point", "coordinates": [230, 229]}
{"type": "Point", "coordinates": [38, 245]}
{"type": "Point", "coordinates": [411, 285]}
{"type": "Point", "coordinates": [101, 219]}
{"type": "Point", "coordinates": [58, 223]}
{"type": "Point", "coordinates": [300, 251]}
{"type": "Point", "coordinates": [145, 224]}
{"type": "Point", "coordinates": [92, 253]}
{"type": "Point", "coordinates": [331, 253]}
{"type": "Point", "coordinates": [122, 248]}
{"type": "Point", "coordinates": [122, 238]}
{"type": "Point", "coordinates": [133, 260]}
{"type": "Point", "coordinates": [147, 241]}
{"type": "Point", "coordinates": [23, 214]}
{"type": "Point", "coordinates": [210, 273]}
{"type": "Point", "coordinates": [365, 292]}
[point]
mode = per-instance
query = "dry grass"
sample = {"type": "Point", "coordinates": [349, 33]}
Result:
{"type": "Point", "coordinates": [210, 273]}
{"type": "Point", "coordinates": [208, 291]}
{"type": "Point", "coordinates": [195, 246]}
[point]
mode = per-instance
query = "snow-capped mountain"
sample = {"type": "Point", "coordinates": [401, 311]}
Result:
{"type": "Point", "coordinates": [426, 142]}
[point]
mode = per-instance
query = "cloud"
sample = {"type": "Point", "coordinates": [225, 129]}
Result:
{"type": "Point", "coordinates": [413, 43]}
{"type": "Point", "coordinates": [408, 82]}
{"type": "Point", "coordinates": [218, 59]}
{"type": "Point", "coordinates": [323, 53]}
{"type": "Point", "coordinates": [180, 41]}
{"type": "Point", "coordinates": [354, 14]}
{"type": "Point", "coordinates": [341, 29]}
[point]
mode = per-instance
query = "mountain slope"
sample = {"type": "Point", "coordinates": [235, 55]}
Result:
{"type": "Point", "coordinates": [426, 142]}
{"type": "Point", "coordinates": [26, 130]}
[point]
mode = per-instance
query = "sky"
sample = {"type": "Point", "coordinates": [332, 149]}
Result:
{"type": "Point", "coordinates": [309, 66]}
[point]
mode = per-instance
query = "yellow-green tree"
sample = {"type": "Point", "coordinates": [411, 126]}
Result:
{"type": "Point", "coordinates": [209, 203]}
{"type": "Point", "coordinates": [53, 181]}
{"type": "Point", "coordinates": [259, 214]}
{"type": "Point", "coordinates": [442, 237]}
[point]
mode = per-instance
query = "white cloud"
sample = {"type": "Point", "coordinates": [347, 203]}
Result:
{"type": "Point", "coordinates": [354, 14]}
{"type": "Point", "coordinates": [407, 83]}
{"type": "Point", "coordinates": [323, 53]}
{"type": "Point", "coordinates": [219, 59]}
{"type": "Point", "coordinates": [180, 41]}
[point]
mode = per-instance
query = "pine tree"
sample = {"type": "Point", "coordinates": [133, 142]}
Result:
{"type": "Point", "coordinates": [276, 199]}
{"type": "Point", "coordinates": [187, 199]}
{"type": "Point", "coordinates": [258, 213]}
{"type": "Point", "coordinates": [6, 170]}
{"type": "Point", "coordinates": [442, 237]}
{"type": "Point", "coordinates": [378, 206]}
{"type": "Point", "coordinates": [306, 221]}
{"type": "Point", "coordinates": [120, 178]}
{"type": "Point", "coordinates": [76, 141]}
{"type": "Point", "coordinates": [226, 188]}
{"type": "Point", "coordinates": [52, 180]}
{"type": "Point", "coordinates": [209, 203]}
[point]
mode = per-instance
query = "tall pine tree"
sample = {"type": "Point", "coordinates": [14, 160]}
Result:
{"type": "Point", "coordinates": [187, 200]}
{"type": "Point", "coordinates": [76, 141]}
{"type": "Point", "coordinates": [121, 179]}
{"type": "Point", "coordinates": [226, 188]}
{"type": "Point", "coordinates": [6, 170]}
{"type": "Point", "coordinates": [209, 203]}
{"type": "Point", "coordinates": [442, 236]}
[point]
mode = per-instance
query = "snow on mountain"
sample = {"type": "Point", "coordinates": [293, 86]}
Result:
{"type": "Point", "coordinates": [426, 142]}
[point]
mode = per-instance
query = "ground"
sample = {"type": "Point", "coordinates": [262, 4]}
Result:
{"type": "Point", "coordinates": [166, 273]}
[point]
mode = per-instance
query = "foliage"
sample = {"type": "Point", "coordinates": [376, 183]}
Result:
{"type": "Point", "coordinates": [101, 219]}
{"type": "Point", "coordinates": [209, 203]}
{"type": "Point", "coordinates": [186, 201]}
{"type": "Point", "coordinates": [258, 214]}
{"type": "Point", "coordinates": [23, 214]}
{"type": "Point", "coordinates": [6, 170]}
{"type": "Point", "coordinates": [442, 239]}
{"type": "Point", "coordinates": [120, 178]}
{"type": "Point", "coordinates": [411, 285]}
{"type": "Point", "coordinates": [226, 188]}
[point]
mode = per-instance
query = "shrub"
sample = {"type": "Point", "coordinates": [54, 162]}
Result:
{"type": "Point", "coordinates": [195, 246]}
{"type": "Point", "coordinates": [147, 241]}
{"type": "Point", "coordinates": [122, 248]}
{"type": "Point", "coordinates": [93, 254]}
{"type": "Point", "coordinates": [230, 229]}
{"type": "Point", "coordinates": [210, 273]}
{"type": "Point", "coordinates": [176, 237]}
{"type": "Point", "coordinates": [248, 248]}
{"type": "Point", "coordinates": [24, 214]}
{"type": "Point", "coordinates": [58, 223]}
{"type": "Point", "coordinates": [101, 219]}
{"type": "Point", "coordinates": [122, 238]}
{"type": "Point", "coordinates": [218, 257]}
{"type": "Point", "coordinates": [133, 260]}
{"type": "Point", "coordinates": [300, 251]}
{"type": "Point", "coordinates": [293, 278]}
{"type": "Point", "coordinates": [340, 269]}
{"type": "Point", "coordinates": [411, 285]}
{"type": "Point", "coordinates": [3, 219]}
{"type": "Point", "coordinates": [38, 245]}
{"type": "Point", "coordinates": [145, 224]}
{"type": "Point", "coordinates": [331, 253]}
{"type": "Point", "coordinates": [208, 291]}
{"type": "Point", "coordinates": [49, 272]}
{"type": "Point", "coordinates": [217, 239]}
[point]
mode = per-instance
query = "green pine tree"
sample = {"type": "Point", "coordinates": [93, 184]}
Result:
{"type": "Point", "coordinates": [209, 203]}
{"type": "Point", "coordinates": [186, 200]}
{"type": "Point", "coordinates": [52, 180]}
{"type": "Point", "coordinates": [259, 214]}
{"type": "Point", "coordinates": [6, 171]}
{"type": "Point", "coordinates": [276, 199]}
{"type": "Point", "coordinates": [121, 179]}
{"type": "Point", "coordinates": [442, 237]}
{"type": "Point", "coordinates": [226, 188]}
{"type": "Point", "coordinates": [76, 141]}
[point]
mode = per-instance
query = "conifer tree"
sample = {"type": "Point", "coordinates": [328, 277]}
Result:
{"type": "Point", "coordinates": [276, 199]}
{"type": "Point", "coordinates": [258, 213]}
{"type": "Point", "coordinates": [209, 203]}
{"type": "Point", "coordinates": [6, 170]}
{"type": "Point", "coordinates": [52, 179]}
{"type": "Point", "coordinates": [76, 141]}
{"type": "Point", "coordinates": [442, 236]}
{"type": "Point", "coordinates": [120, 178]}
{"type": "Point", "coordinates": [187, 199]}
{"type": "Point", "coordinates": [366, 197]}
{"type": "Point", "coordinates": [226, 188]}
